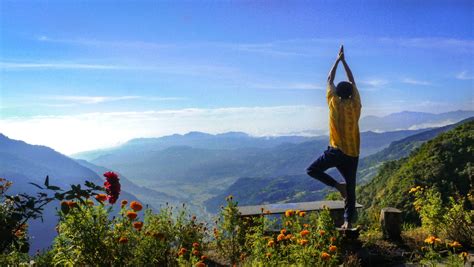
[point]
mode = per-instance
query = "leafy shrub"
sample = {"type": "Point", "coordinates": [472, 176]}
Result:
{"type": "Point", "coordinates": [230, 232]}
{"type": "Point", "coordinates": [452, 222]}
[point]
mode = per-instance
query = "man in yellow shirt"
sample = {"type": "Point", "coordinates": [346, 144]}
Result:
{"type": "Point", "coordinates": [344, 141]}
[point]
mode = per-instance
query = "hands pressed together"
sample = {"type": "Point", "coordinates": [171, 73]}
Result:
{"type": "Point", "coordinates": [340, 55]}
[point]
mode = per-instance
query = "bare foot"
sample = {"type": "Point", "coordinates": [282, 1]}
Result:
{"type": "Point", "coordinates": [342, 188]}
{"type": "Point", "coordinates": [346, 225]}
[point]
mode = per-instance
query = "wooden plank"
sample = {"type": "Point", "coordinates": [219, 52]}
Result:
{"type": "Point", "coordinates": [280, 208]}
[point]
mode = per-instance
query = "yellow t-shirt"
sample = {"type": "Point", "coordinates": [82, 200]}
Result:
{"type": "Point", "coordinates": [344, 121]}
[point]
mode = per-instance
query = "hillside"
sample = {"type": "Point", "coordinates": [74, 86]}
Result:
{"type": "Point", "coordinates": [147, 195]}
{"type": "Point", "coordinates": [444, 162]}
{"type": "Point", "coordinates": [22, 163]}
{"type": "Point", "coordinates": [368, 166]}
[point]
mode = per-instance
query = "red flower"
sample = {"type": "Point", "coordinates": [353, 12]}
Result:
{"type": "Point", "coordinates": [131, 215]}
{"type": "Point", "coordinates": [136, 206]}
{"type": "Point", "coordinates": [112, 186]}
{"type": "Point", "coordinates": [138, 225]}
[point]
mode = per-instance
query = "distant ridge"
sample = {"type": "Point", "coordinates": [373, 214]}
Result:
{"type": "Point", "coordinates": [409, 120]}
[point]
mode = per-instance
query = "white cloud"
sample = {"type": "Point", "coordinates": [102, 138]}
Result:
{"type": "Point", "coordinates": [293, 86]}
{"type": "Point", "coordinates": [73, 133]}
{"type": "Point", "coordinates": [415, 82]}
{"type": "Point", "coordinates": [91, 99]}
{"type": "Point", "coordinates": [463, 75]}
{"type": "Point", "coordinates": [56, 65]}
{"type": "Point", "coordinates": [374, 82]}
{"type": "Point", "coordinates": [458, 45]}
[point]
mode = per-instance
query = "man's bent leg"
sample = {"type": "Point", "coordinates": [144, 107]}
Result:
{"type": "Point", "coordinates": [317, 169]}
{"type": "Point", "coordinates": [348, 169]}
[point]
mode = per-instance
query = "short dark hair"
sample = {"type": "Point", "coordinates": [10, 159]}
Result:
{"type": "Point", "coordinates": [344, 90]}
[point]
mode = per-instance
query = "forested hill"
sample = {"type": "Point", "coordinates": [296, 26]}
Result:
{"type": "Point", "coordinates": [444, 162]}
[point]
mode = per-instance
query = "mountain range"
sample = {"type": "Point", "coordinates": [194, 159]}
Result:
{"type": "Point", "coordinates": [409, 120]}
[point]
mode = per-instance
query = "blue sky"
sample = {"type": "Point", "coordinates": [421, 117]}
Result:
{"type": "Point", "coordinates": [78, 75]}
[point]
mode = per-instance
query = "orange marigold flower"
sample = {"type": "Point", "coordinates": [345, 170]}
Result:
{"type": "Point", "coordinates": [136, 206]}
{"type": "Point", "coordinates": [101, 197]}
{"type": "Point", "coordinates": [430, 240]}
{"type": "Point", "coordinates": [288, 236]}
{"type": "Point", "coordinates": [271, 243]}
{"type": "Point", "coordinates": [283, 231]}
{"type": "Point", "coordinates": [268, 254]}
{"type": "Point", "coordinates": [131, 215]}
{"type": "Point", "coordinates": [304, 233]}
{"type": "Point", "coordinates": [305, 225]}
{"type": "Point", "coordinates": [203, 257]}
{"type": "Point", "coordinates": [325, 255]}
{"type": "Point", "coordinates": [200, 264]}
{"type": "Point", "coordinates": [280, 237]}
{"type": "Point", "coordinates": [332, 239]}
{"type": "Point", "coordinates": [322, 232]}
{"type": "Point", "coordinates": [288, 223]}
{"type": "Point", "coordinates": [437, 240]}
{"type": "Point", "coordinates": [195, 252]}
{"type": "Point", "coordinates": [463, 254]}
{"type": "Point", "coordinates": [195, 245]}
{"type": "Point", "coordinates": [123, 240]}
{"type": "Point", "coordinates": [124, 202]}
{"type": "Point", "coordinates": [72, 204]}
{"type": "Point", "coordinates": [455, 244]}
{"type": "Point", "coordinates": [302, 213]}
{"type": "Point", "coordinates": [182, 251]}
{"type": "Point", "coordinates": [289, 213]}
{"type": "Point", "coordinates": [303, 242]}
{"type": "Point", "coordinates": [332, 248]}
{"type": "Point", "coordinates": [138, 225]}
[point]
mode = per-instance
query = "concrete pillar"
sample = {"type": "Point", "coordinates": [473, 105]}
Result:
{"type": "Point", "coordinates": [391, 222]}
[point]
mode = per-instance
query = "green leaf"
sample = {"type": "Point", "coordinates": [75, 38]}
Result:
{"type": "Point", "coordinates": [37, 185]}
{"type": "Point", "coordinates": [55, 188]}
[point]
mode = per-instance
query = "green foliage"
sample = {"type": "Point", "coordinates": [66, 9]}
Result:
{"type": "Point", "coordinates": [430, 207]}
{"type": "Point", "coordinates": [458, 223]}
{"type": "Point", "coordinates": [84, 237]}
{"type": "Point", "coordinates": [443, 162]}
{"type": "Point", "coordinates": [87, 236]}
{"type": "Point", "coordinates": [230, 232]}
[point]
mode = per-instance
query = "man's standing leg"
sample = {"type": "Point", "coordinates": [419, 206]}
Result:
{"type": "Point", "coordinates": [348, 169]}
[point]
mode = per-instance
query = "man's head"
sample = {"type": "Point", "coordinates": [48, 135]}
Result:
{"type": "Point", "coordinates": [344, 90]}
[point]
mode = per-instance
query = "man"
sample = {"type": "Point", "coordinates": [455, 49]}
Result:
{"type": "Point", "coordinates": [344, 141]}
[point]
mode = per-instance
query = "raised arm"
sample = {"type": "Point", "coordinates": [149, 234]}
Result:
{"type": "Point", "coordinates": [332, 73]}
{"type": "Point", "coordinates": [349, 75]}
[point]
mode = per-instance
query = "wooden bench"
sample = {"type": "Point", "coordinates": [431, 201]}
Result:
{"type": "Point", "coordinates": [336, 209]}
